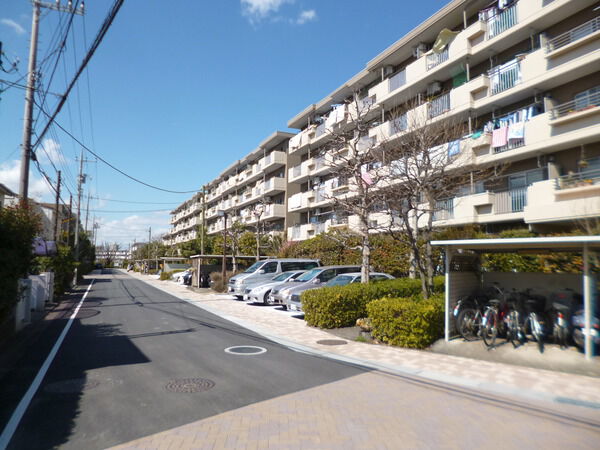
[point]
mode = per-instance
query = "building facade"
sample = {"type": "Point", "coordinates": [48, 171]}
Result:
{"type": "Point", "coordinates": [522, 76]}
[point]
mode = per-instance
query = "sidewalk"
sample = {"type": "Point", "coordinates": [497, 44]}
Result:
{"type": "Point", "coordinates": [492, 377]}
{"type": "Point", "coordinates": [413, 399]}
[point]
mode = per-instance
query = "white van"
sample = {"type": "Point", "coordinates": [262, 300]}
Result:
{"type": "Point", "coordinates": [264, 271]}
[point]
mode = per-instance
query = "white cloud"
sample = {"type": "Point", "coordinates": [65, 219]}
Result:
{"type": "Point", "coordinates": [10, 174]}
{"type": "Point", "coordinates": [257, 10]}
{"type": "Point", "coordinates": [306, 16]}
{"type": "Point", "coordinates": [50, 153]}
{"type": "Point", "coordinates": [14, 25]}
{"type": "Point", "coordinates": [131, 228]}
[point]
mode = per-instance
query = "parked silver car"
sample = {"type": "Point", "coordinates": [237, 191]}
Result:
{"type": "Point", "coordinates": [310, 280]}
{"type": "Point", "coordinates": [263, 271]}
{"type": "Point", "coordinates": [259, 293]}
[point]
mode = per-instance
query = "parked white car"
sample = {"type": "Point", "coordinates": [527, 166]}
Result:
{"type": "Point", "coordinates": [260, 293]}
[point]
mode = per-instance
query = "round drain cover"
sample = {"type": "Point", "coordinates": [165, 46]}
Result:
{"type": "Point", "coordinates": [73, 386]}
{"type": "Point", "coordinates": [332, 342]}
{"type": "Point", "coordinates": [189, 385]}
{"type": "Point", "coordinates": [246, 350]}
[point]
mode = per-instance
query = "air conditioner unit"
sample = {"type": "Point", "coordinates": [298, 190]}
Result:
{"type": "Point", "coordinates": [419, 50]}
{"type": "Point", "coordinates": [387, 71]}
{"type": "Point", "coordinates": [316, 180]}
{"type": "Point", "coordinates": [268, 199]}
{"type": "Point", "coordinates": [434, 88]}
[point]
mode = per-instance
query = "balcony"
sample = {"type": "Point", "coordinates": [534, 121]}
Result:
{"type": "Point", "coordinates": [573, 38]}
{"type": "Point", "coordinates": [444, 210]}
{"type": "Point", "coordinates": [273, 159]}
{"type": "Point", "coordinates": [396, 81]}
{"type": "Point", "coordinates": [582, 106]}
{"type": "Point", "coordinates": [435, 59]}
{"type": "Point", "coordinates": [274, 211]}
{"type": "Point", "coordinates": [275, 184]}
{"type": "Point", "coordinates": [568, 198]}
{"type": "Point", "coordinates": [505, 76]}
{"type": "Point", "coordinates": [498, 21]}
{"type": "Point", "coordinates": [510, 201]}
{"type": "Point", "coordinates": [439, 105]}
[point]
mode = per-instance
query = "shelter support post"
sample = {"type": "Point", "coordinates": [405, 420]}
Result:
{"type": "Point", "coordinates": [587, 303]}
{"type": "Point", "coordinates": [448, 257]}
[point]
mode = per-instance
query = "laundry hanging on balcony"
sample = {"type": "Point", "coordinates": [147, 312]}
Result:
{"type": "Point", "coordinates": [516, 131]}
{"type": "Point", "coordinates": [444, 38]}
{"type": "Point", "coordinates": [453, 148]}
{"type": "Point", "coordinates": [500, 137]}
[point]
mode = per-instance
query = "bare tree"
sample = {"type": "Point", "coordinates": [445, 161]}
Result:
{"type": "Point", "coordinates": [428, 167]}
{"type": "Point", "coordinates": [358, 162]}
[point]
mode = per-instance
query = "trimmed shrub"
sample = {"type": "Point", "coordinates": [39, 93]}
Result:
{"type": "Point", "coordinates": [217, 283]}
{"type": "Point", "coordinates": [341, 306]}
{"type": "Point", "coordinates": [407, 322]}
{"type": "Point", "coordinates": [166, 275]}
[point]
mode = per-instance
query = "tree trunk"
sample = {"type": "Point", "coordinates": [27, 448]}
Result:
{"type": "Point", "coordinates": [257, 242]}
{"type": "Point", "coordinates": [366, 258]}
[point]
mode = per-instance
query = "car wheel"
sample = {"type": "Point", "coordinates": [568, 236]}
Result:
{"type": "Point", "coordinates": [266, 297]}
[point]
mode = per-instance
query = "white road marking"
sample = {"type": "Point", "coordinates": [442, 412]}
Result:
{"type": "Point", "coordinates": [19, 411]}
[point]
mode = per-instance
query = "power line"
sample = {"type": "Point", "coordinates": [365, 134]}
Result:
{"type": "Point", "coordinates": [137, 180]}
{"type": "Point", "coordinates": [131, 211]}
{"type": "Point", "coordinates": [99, 37]}
{"type": "Point", "coordinates": [140, 203]}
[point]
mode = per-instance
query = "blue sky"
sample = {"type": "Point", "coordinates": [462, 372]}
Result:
{"type": "Point", "coordinates": [179, 90]}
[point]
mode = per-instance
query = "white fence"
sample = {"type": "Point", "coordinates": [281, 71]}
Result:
{"type": "Point", "coordinates": [35, 292]}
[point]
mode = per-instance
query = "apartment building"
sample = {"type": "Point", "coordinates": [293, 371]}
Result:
{"type": "Point", "coordinates": [524, 76]}
{"type": "Point", "coordinates": [185, 220]}
{"type": "Point", "coordinates": [251, 191]}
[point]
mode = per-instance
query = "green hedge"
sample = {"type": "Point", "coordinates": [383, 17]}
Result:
{"type": "Point", "coordinates": [407, 322]}
{"type": "Point", "coordinates": [340, 306]}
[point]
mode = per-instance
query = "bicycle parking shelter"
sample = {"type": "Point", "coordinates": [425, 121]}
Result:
{"type": "Point", "coordinates": [462, 283]}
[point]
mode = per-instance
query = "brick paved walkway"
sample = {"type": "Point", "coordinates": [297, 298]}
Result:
{"type": "Point", "coordinates": [378, 410]}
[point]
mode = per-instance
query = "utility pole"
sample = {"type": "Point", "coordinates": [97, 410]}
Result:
{"type": "Point", "coordinates": [80, 181]}
{"type": "Point", "coordinates": [31, 81]}
{"type": "Point", "coordinates": [56, 232]}
{"type": "Point", "coordinates": [70, 219]}
{"type": "Point", "coordinates": [87, 211]}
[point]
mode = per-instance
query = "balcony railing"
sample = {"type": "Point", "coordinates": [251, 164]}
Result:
{"type": "Point", "coordinates": [580, 103]}
{"type": "Point", "coordinates": [573, 35]}
{"type": "Point", "coordinates": [397, 81]}
{"type": "Point", "coordinates": [444, 209]}
{"type": "Point", "coordinates": [579, 179]}
{"type": "Point", "coordinates": [505, 76]}
{"type": "Point", "coordinates": [435, 59]}
{"type": "Point", "coordinates": [500, 21]}
{"type": "Point", "coordinates": [339, 220]}
{"type": "Point", "coordinates": [297, 171]}
{"type": "Point", "coordinates": [296, 232]}
{"type": "Point", "coordinates": [319, 227]}
{"type": "Point", "coordinates": [398, 124]}
{"type": "Point", "coordinates": [320, 131]}
{"type": "Point", "coordinates": [510, 145]}
{"type": "Point", "coordinates": [367, 102]}
{"type": "Point", "coordinates": [510, 201]}
{"type": "Point", "coordinates": [439, 105]}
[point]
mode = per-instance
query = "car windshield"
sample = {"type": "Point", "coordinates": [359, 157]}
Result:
{"type": "Point", "coordinates": [309, 275]}
{"type": "Point", "coordinates": [254, 267]}
{"type": "Point", "coordinates": [341, 280]}
{"type": "Point", "coordinates": [282, 276]}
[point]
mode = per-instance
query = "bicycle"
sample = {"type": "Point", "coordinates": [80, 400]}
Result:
{"type": "Point", "coordinates": [493, 323]}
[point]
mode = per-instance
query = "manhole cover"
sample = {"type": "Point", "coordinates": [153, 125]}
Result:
{"type": "Point", "coordinates": [73, 386]}
{"type": "Point", "coordinates": [87, 313]}
{"type": "Point", "coordinates": [246, 350]}
{"type": "Point", "coordinates": [332, 342]}
{"type": "Point", "coordinates": [189, 385]}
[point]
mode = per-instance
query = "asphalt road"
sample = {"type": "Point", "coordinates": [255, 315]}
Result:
{"type": "Point", "coordinates": [129, 348]}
